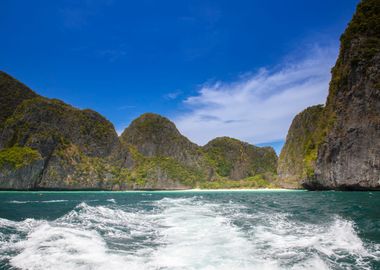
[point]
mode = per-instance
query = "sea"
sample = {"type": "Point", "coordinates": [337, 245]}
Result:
{"type": "Point", "coordinates": [185, 230]}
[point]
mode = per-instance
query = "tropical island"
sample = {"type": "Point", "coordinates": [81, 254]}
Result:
{"type": "Point", "coordinates": [46, 144]}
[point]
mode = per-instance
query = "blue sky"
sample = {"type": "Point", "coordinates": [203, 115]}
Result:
{"type": "Point", "coordinates": [236, 68]}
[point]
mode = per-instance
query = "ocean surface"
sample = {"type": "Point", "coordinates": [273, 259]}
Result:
{"type": "Point", "coordinates": [190, 230]}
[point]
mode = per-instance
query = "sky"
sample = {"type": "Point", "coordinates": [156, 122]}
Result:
{"type": "Point", "coordinates": [241, 68]}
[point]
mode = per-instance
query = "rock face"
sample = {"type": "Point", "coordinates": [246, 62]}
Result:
{"type": "Point", "coordinates": [46, 124]}
{"type": "Point", "coordinates": [12, 94]}
{"type": "Point", "coordinates": [236, 160]}
{"type": "Point", "coordinates": [346, 141]}
{"type": "Point", "coordinates": [21, 167]}
{"type": "Point", "coordinates": [154, 135]}
{"type": "Point", "coordinates": [349, 158]}
{"type": "Point", "coordinates": [52, 129]}
{"type": "Point", "coordinates": [160, 157]}
{"type": "Point", "coordinates": [297, 157]}
{"type": "Point", "coordinates": [47, 144]}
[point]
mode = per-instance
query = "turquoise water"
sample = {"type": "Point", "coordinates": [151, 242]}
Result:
{"type": "Point", "coordinates": [190, 230]}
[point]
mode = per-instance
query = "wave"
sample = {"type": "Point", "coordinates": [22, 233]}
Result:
{"type": "Point", "coordinates": [49, 201]}
{"type": "Point", "coordinates": [181, 233]}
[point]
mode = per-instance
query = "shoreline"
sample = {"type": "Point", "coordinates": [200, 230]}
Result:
{"type": "Point", "coordinates": [195, 190]}
{"type": "Point", "coordinates": [156, 191]}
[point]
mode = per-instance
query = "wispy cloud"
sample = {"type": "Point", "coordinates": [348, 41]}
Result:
{"type": "Point", "coordinates": [173, 95]}
{"type": "Point", "coordinates": [260, 106]}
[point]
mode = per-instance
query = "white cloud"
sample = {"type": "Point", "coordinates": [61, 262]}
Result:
{"type": "Point", "coordinates": [259, 107]}
{"type": "Point", "coordinates": [173, 95]}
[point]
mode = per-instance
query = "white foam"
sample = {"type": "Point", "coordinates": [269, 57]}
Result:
{"type": "Point", "coordinates": [50, 247]}
{"type": "Point", "coordinates": [54, 201]}
{"type": "Point", "coordinates": [49, 201]}
{"type": "Point", "coordinates": [182, 233]}
{"type": "Point", "coordinates": [282, 235]}
{"type": "Point", "coordinates": [18, 202]}
{"type": "Point", "coordinates": [195, 236]}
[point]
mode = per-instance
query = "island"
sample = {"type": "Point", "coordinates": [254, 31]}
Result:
{"type": "Point", "coordinates": [46, 144]}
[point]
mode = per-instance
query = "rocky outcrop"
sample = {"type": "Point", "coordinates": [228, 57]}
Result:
{"type": "Point", "coordinates": [156, 136]}
{"type": "Point", "coordinates": [346, 142]}
{"type": "Point", "coordinates": [52, 128]}
{"type": "Point", "coordinates": [349, 157]}
{"type": "Point", "coordinates": [297, 158]}
{"type": "Point", "coordinates": [12, 94]}
{"type": "Point", "coordinates": [47, 124]}
{"type": "Point", "coordinates": [21, 167]}
{"type": "Point", "coordinates": [159, 156]}
{"type": "Point", "coordinates": [164, 155]}
{"type": "Point", "coordinates": [236, 160]}
{"type": "Point", "coordinates": [47, 144]}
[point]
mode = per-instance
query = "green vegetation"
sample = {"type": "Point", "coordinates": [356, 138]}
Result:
{"type": "Point", "coordinates": [82, 150]}
{"type": "Point", "coordinates": [299, 154]}
{"type": "Point", "coordinates": [257, 181]}
{"type": "Point", "coordinates": [150, 123]}
{"type": "Point", "coordinates": [18, 157]}
{"type": "Point", "coordinates": [359, 44]}
{"type": "Point", "coordinates": [166, 168]}
{"type": "Point", "coordinates": [145, 173]}
{"type": "Point", "coordinates": [323, 125]}
{"type": "Point", "coordinates": [235, 159]}
{"type": "Point", "coordinates": [309, 130]}
{"type": "Point", "coordinates": [43, 120]}
{"type": "Point", "coordinates": [365, 25]}
{"type": "Point", "coordinates": [12, 93]}
{"type": "Point", "coordinates": [152, 128]}
{"type": "Point", "coordinates": [217, 159]}
{"type": "Point", "coordinates": [151, 168]}
{"type": "Point", "coordinates": [155, 135]}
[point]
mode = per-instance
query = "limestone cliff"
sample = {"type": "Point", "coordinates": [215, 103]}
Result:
{"type": "Point", "coordinates": [236, 160]}
{"type": "Point", "coordinates": [160, 156]}
{"type": "Point", "coordinates": [297, 157]}
{"type": "Point", "coordinates": [349, 157]}
{"type": "Point", "coordinates": [51, 130]}
{"type": "Point", "coordinates": [47, 144]}
{"type": "Point", "coordinates": [155, 135]}
{"type": "Point", "coordinates": [12, 94]}
{"type": "Point", "coordinates": [346, 138]}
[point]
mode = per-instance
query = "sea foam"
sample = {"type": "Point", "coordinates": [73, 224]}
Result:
{"type": "Point", "coordinates": [181, 233]}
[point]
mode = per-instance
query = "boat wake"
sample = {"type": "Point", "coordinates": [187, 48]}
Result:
{"type": "Point", "coordinates": [181, 233]}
